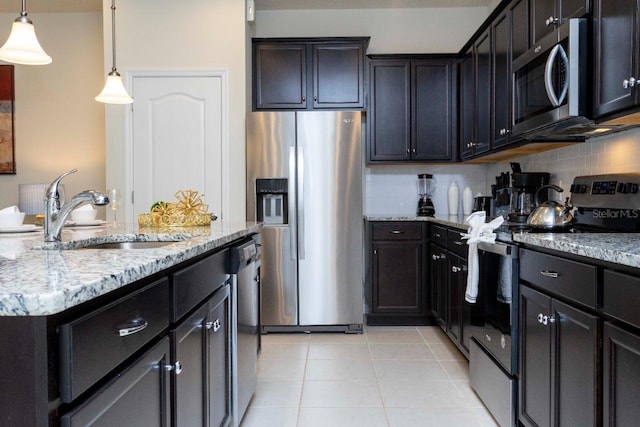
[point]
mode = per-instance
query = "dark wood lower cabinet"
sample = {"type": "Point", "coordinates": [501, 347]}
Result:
{"type": "Point", "coordinates": [397, 292]}
{"type": "Point", "coordinates": [219, 358]}
{"type": "Point", "coordinates": [448, 284]}
{"type": "Point", "coordinates": [559, 363]}
{"type": "Point", "coordinates": [621, 376]}
{"type": "Point", "coordinates": [138, 397]}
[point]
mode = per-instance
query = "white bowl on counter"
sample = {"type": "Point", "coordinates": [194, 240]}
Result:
{"type": "Point", "coordinates": [11, 219]}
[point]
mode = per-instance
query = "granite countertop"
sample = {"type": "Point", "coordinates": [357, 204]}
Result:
{"type": "Point", "coordinates": [618, 248]}
{"type": "Point", "coordinates": [37, 281]}
{"type": "Point", "coordinates": [455, 221]}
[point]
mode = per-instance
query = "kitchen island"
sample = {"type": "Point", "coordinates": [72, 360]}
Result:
{"type": "Point", "coordinates": [113, 335]}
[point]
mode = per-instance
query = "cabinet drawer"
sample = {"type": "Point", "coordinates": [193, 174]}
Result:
{"type": "Point", "coordinates": [196, 282]}
{"type": "Point", "coordinates": [438, 235]}
{"type": "Point", "coordinates": [455, 243]}
{"type": "Point", "coordinates": [620, 298]}
{"type": "Point", "coordinates": [397, 231]}
{"type": "Point", "coordinates": [91, 346]}
{"type": "Point", "coordinates": [570, 279]}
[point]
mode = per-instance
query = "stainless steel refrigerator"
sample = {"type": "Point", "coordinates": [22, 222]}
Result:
{"type": "Point", "coordinates": [304, 181]}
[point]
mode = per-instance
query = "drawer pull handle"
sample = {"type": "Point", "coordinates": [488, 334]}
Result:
{"type": "Point", "coordinates": [435, 257]}
{"type": "Point", "coordinates": [457, 242]}
{"type": "Point", "coordinates": [543, 319]}
{"type": "Point", "coordinates": [176, 367]}
{"type": "Point", "coordinates": [396, 232]}
{"type": "Point", "coordinates": [455, 269]}
{"type": "Point", "coordinates": [436, 235]}
{"type": "Point", "coordinates": [552, 274]}
{"type": "Point", "coordinates": [132, 327]}
{"type": "Point", "coordinates": [215, 325]}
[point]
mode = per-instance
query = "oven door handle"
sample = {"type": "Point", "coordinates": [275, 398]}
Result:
{"type": "Point", "coordinates": [501, 249]}
{"type": "Point", "coordinates": [556, 101]}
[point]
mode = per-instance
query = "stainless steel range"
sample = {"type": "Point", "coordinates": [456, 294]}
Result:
{"type": "Point", "coordinates": [602, 204]}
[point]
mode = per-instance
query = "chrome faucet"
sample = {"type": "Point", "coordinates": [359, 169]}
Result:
{"type": "Point", "coordinates": [56, 215]}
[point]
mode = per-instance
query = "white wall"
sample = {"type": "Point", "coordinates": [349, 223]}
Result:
{"type": "Point", "coordinates": [58, 124]}
{"type": "Point", "coordinates": [182, 35]}
{"type": "Point", "coordinates": [432, 30]}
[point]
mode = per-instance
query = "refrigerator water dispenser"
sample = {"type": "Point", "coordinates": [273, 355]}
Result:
{"type": "Point", "coordinates": [271, 198]}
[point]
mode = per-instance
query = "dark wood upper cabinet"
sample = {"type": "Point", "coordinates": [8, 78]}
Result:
{"type": "Point", "coordinates": [501, 102]}
{"type": "Point", "coordinates": [547, 14]}
{"type": "Point", "coordinates": [389, 115]}
{"type": "Point", "coordinates": [616, 45]}
{"type": "Point", "coordinates": [308, 73]}
{"type": "Point", "coordinates": [483, 71]}
{"type": "Point", "coordinates": [467, 106]}
{"type": "Point", "coordinates": [412, 109]}
{"type": "Point", "coordinates": [280, 76]}
{"type": "Point", "coordinates": [433, 112]}
{"type": "Point", "coordinates": [338, 75]}
{"type": "Point", "coordinates": [519, 27]}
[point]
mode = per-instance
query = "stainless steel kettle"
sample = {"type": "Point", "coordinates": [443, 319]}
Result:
{"type": "Point", "coordinates": [551, 215]}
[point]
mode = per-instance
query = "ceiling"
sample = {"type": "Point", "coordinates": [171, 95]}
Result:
{"type": "Point", "coordinates": [364, 4]}
{"type": "Point", "coordinates": [39, 6]}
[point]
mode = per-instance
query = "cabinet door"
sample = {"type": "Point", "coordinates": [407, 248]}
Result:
{"type": "Point", "coordinates": [535, 359]}
{"type": "Point", "coordinates": [189, 387]}
{"type": "Point", "coordinates": [338, 77]}
{"type": "Point", "coordinates": [467, 106]}
{"type": "Point", "coordinates": [219, 358]}
{"type": "Point", "coordinates": [389, 122]}
{"type": "Point", "coordinates": [541, 10]}
{"type": "Point", "coordinates": [465, 309]}
{"type": "Point", "coordinates": [616, 43]}
{"type": "Point", "coordinates": [280, 76]}
{"type": "Point", "coordinates": [519, 28]}
{"type": "Point", "coordinates": [482, 141]}
{"type": "Point", "coordinates": [454, 301]}
{"type": "Point", "coordinates": [502, 80]}
{"type": "Point", "coordinates": [397, 277]}
{"type": "Point", "coordinates": [138, 397]}
{"type": "Point", "coordinates": [439, 280]}
{"type": "Point", "coordinates": [432, 112]}
{"type": "Point", "coordinates": [576, 364]}
{"type": "Point", "coordinates": [621, 377]}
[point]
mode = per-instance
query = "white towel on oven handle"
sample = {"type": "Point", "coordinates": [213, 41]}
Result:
{"type": "Point", "coordinates": [479, 231]}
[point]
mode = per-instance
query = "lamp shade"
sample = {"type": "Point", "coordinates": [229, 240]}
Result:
{"type": "Point", "coordinates": [114, 91]}
{"type": "Point", "coordinates": [22, 46]}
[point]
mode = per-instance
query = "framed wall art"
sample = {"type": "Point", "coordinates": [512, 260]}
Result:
{"type": "Point", "coordinates": [7, 143]}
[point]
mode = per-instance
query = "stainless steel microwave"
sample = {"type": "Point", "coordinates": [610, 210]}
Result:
{"type": "Point", "coordinates": [550, 86]}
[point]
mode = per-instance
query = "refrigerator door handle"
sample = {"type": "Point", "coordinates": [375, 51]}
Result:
{"type": "Point", "coordinates": [300, 196]}
{"type": "Point", "coordinates": [292, 203]}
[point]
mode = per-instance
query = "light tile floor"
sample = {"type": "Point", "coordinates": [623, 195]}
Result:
{"type": "Point", "coordinates": [385, 377]}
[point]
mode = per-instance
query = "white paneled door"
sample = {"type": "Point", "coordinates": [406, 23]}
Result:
{"type": "Point", "coordinates": [178, 133]}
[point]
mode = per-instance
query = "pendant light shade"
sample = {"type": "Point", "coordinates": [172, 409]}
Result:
{"type": "Point", "coordinates": [114, 91]}
{"type": "Point", "coordinates": [22, 46]}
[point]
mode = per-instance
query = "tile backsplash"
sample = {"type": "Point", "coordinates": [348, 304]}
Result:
{"type": "Point", "coordinates": [392, 189]}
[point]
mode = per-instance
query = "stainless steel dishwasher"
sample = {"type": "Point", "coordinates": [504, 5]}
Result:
{"type": "Point", "coordinates": [244, 267]}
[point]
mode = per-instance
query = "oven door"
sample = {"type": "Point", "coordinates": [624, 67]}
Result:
{"type": "Point", "coordinates": [494, 316]}
{"type": "Point", "coordinates": [549, 83]}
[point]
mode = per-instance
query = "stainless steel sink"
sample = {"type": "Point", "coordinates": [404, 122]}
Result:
{"type": "Point", "coordinates": [128, 245]}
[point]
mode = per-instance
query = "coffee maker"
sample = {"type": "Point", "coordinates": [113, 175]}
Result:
{"type": "Point", "coordinates": [523, 190]}
{"type": "Point", "coordinates": [426, 186]}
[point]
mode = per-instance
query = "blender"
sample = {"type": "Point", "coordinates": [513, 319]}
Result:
{"type": "Point", "coordinates": [426, 186]}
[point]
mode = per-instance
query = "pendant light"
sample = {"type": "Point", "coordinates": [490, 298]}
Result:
{"type": "Point", "coordinates": [114, 91]}
{"type": "Point", "coordinates": [22, 46]}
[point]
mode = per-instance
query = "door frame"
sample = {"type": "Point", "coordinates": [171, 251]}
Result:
{"type": "Point", "coordinates": [129, 78]}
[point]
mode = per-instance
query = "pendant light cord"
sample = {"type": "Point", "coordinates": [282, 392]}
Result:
{"type": "Point", "coordinates": [113, 33]}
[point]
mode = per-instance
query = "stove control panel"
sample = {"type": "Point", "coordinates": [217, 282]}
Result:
{"type": "Point", "coordinates": [613, 191]}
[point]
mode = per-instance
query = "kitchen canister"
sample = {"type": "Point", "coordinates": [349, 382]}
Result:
{"type": "Point", "coordinates": [467, 200]}
{"type": "Point", "coordinates": [453, 194]}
